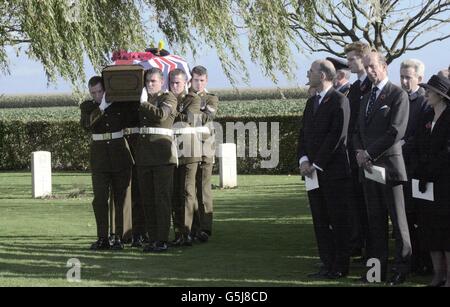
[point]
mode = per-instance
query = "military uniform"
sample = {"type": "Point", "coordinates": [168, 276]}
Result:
{"type": "Point", "coordinates": [156, 159]}
{"type": "Point", "coordinates": [203, 221]}
{"type": "Point", "coordinates": [188, 118]}
{"type": "Point", "coordinates": [137, 209]}
{"type": "Point", "coordinates": [110, 161]}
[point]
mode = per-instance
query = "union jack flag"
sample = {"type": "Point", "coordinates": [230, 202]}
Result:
{"type": "Point", "coordinates": [148, 60]}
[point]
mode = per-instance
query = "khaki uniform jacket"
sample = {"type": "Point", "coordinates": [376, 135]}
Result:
{"type": "Point", "coordinates": [189, 116]}
{"type": "Point", "coordinates": [209, 106]}
{"type": "Point", "coordinates": [107, 155]}
{"type": "Point", "coordinates": [158, 112]}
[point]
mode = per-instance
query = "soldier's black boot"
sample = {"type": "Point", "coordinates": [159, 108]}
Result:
{"type": "Point", "coordinates": [178, 241]}
{"type": "Point", "coordinates": [101, 244]}
{"type": "Point", "coordinates": [201, 237]}
{"type": "Point", "coordinates": [160, 247]}
{"type": "Point", "coordinates": [187, 240]}
{"type": "Point", "coordinates": [138, 241]}
{"type": "Point", "coordinates": [117, 244]}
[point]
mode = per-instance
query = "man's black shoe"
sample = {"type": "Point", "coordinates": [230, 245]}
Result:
{"type": "Point", "coordinates": [101, 244]}
{"type": "Point", "coordinates": [323, 273]}
{"type": "Point", "coordinates": [397, 279]}
{"type": "Point", "coordinates": [336, 275]}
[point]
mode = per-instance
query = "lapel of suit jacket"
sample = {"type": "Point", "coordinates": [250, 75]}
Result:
{"type": "Point", "coordinates": [380, 100]}
{"type": "Point", "coordinates": [324, 101]}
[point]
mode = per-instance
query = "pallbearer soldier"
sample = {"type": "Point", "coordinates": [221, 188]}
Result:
{"type": "Point", "coordinates": [156, 158]}
{"type": "Point", "coordinates": [131, 132]}
{"type": "Point", "coordinates": [110, 160]}
{"type": "Point", "coordinates": [190, 154]}
{"type": "Point", "coordinates": [202, 227]}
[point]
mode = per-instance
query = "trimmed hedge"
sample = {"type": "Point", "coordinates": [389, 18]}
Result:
{"type": "Point", "coordinates": [69, 144]}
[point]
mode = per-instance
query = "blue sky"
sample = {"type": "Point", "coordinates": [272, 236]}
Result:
{"type": "Point", "coordinates": [27, 76]}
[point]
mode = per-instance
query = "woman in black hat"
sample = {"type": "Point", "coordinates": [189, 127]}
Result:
{"type": "Point", "coordinates": [433, 158]}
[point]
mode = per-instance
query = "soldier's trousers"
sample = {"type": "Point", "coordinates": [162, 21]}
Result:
{"type": "Point", "coordinates": [184, 198]}
{"type": "Point", "coordinates": [204, 219]}
{"type": "Point", "coordinates": [101, 184]}
{"type": "Point", "coordinates": [137, 208]}
{"type": "Point", "coordinates": [156, 188]}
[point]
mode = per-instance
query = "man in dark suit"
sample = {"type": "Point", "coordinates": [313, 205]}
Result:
{"type": "Point", "coordinates": [411, 74]}
{"type": "Point", "coordinates": [322, 149]}
{"type": "Point", "coordinates": [358, 213]}
{"type": "Point", "coordinates": [381, 126]}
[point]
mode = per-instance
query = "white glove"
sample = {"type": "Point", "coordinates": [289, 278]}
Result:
{"type": "Point", "coordinates": [104, 104]}
{"type": "Point", "coordinates": [144, 95]}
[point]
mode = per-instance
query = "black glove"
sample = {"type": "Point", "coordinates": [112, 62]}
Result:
{"type": "Point", "coordinates": [422, 186]}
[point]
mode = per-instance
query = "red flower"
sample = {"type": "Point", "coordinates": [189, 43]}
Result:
{"type": "Point", "coordinates": [429, 125]}
{"type": "Point", "coordinates": [382, 97]}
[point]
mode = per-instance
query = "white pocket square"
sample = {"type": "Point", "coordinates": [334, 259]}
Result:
{"type": "Point", "coordinates": [384, 107]}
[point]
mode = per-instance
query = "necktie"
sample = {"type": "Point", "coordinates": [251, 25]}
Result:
{"type": "Point", "coordinates": [372, 99]}
{"type": "Point", "coordinates": [316, 103]}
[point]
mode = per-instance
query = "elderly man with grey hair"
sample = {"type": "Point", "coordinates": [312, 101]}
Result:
{"type": "Point", "coordinates": [411, 74]}
{"type": "Point", "coordinates": [342, 81]}
{"type": "Point", "coordinates": [322, 152]}
{"type": "Point", "coordinates": [378, 142]}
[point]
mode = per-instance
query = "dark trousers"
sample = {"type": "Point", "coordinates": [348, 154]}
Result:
{"type": "Point", "coordinates": [358, 214]}
{"type": "Point", "coordinates": [156, 187]}
{"type": "Point", "coordinates": [101, 184]}
{"type": "Point", "coordinates": [184, 198]}
{"type": "Point", "coordinates": [382, 201]}
{"type": "Point", "coordinates": [203, 220]}
{"type": "Point", "coordinates": [420, 257]}
{"type": "Point", "coordinates": [329, 208]}
{"type": "Point", "coordinates": [137, 208]}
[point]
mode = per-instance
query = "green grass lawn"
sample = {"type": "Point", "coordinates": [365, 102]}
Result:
{"type": "Point", "coordinates": [263, 236]}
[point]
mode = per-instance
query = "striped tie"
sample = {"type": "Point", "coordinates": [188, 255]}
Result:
{"type": "Point", "coordinates": [372, 99]}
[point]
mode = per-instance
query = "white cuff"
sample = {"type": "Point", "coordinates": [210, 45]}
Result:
{"type": "Point", "coordinates": [144, 95]}
{"type": "Point", "coordinates": [303, 159]}
{"type": "Point", "coordinates": [317, 167]}
{"type": "Point", "coordinates": [104, 104]}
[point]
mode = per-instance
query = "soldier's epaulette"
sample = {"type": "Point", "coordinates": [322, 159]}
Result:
{"type": "Point", "coordinates": [210, 94]}
{"type": "Point", "coordinates": [193, 95]}
{"type": "Point", "coordinates": [88, 105]}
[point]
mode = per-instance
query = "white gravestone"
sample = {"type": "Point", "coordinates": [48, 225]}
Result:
{"type": "Point", "coordinates": [41, 173]}
{"type": "Point", "coordinates": [228, 165]}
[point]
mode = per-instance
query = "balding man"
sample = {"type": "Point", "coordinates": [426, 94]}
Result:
{"type": "Point", "coordinates": [322, 150]}
{"type": "Point", "coordinates": [380, 128]}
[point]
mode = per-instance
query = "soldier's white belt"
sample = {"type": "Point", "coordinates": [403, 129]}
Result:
{"type": "Point", "coordinates": [108, 136]}
{"type": "Point", "coordinates": [129, 131]}
{"type": "Point", "coordinates": [188, 130]}
{"type": "Point", "coordinates": [203, 130]}
{"type": "Point", "coordinates": [160, 131]}
{"type": "Point", "coordinates": [191, 130]}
